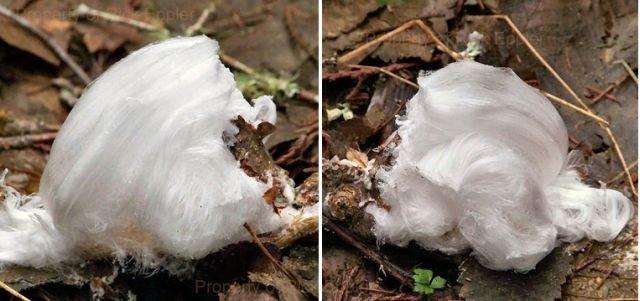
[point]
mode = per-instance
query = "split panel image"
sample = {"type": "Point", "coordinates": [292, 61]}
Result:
{"type": "Point", "coordinates": [318, 150]}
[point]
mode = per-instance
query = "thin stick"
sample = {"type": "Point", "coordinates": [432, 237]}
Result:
{"type": "Point", "coordinates": [535, 52]}
{"type": "Point", "coordinates": [540, 58]}
{"type": "Point", "coordinates": [597, 92]}
{"type": "Point", "coordinates": [404, 80]}
{"type": "Point", "coordinates": [621, 174]}
{"type": "Point", "coordinates": [25, 140]}
{"type": "Point", "coordinates": [629, 70]}
{"type": "Point", "coordinates": [357, 74]}
{"type": "Point", "coordinates": [616, 147]}
{"type": "Point", "coordinates": [435, 38]}
{"type": "Point", "coordinates": [602, 94]}
{"type": "Point", "coordinates": [84, 10]}
{"type": "Point", "coordinates": [395, 271]}
{"type": "Point", "coordinates": [307, 95]}
{"type": "Point", "coordinates": [275, 262]}
{"type": "Point", "coordinates": [591, 260]}
{"type": "Point", "coordinates": [348, 57]}
{"type": "Point", "coordinates": [62, 54]}
{"type": "Point", "coordinates": [230, 61]}
{"type": "Point", "coordinates": [198, 25]}
{"type": "Point", "coordinates": [13, 292]}
{"type": "Point", "coordinates": [575, 108]}
{"type": "Point", "coordinates": [600, 298]}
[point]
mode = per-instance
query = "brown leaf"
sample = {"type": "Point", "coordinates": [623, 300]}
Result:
{"type": "Point", "coordinates": [39, 89]}
{"type": "Point", "coordinates": [357, 157]}
{"type": "Point", "coordinates": [106, 37]}
{"type": "Point", "coordinates": [407, 44]}
{"type": "Point", "coordinates": [342, 16]}
{"type": "Point", "coordinates": [21, 38]}
{"type": "Point", "coordinates": [285, 132]}
{"type": "Point", "coordinates": [49, 16]}
{"type": "Point", "coordinates": [58, 29]}
{"type": "Point", "coordinates": [272, 40]}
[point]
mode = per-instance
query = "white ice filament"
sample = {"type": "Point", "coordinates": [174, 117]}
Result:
{"type": "Point", "coordinates": [482, 164]}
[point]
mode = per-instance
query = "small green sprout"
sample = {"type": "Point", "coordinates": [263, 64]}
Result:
{"type": "Point", "coordinates": [342, 110]}
{"type": "Point", "coordinates": [425, 283]}
{"type": "Point", "coordinates": [265, 83]}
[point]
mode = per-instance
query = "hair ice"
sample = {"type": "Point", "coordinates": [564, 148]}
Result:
{"type": "Point", "coordinates": [482, 164]}
{"type": "Point", "coordinates": [140, 166]}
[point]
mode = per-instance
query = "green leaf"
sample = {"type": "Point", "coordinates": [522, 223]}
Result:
{"type": "Point", "coordinates": [423, 289]}
{"type": "Point", "coordinates": [438, 282]}
{"type": "Point", "coordinates": [422, 276]}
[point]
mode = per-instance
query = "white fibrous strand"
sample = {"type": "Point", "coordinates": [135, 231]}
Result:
{"type": "Point", "coordinates": [482, 164]}
{"type": "Point", "coordinates": [140, 167]}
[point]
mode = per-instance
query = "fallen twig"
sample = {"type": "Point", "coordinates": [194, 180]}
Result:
{"type": "Point", "coordinates": [593, 259]}
{"type": "Point", "coordinates": [609, 89]}
{"type": "Point", "coordinates": [348, 57]}
{"type": "Point", "coordinates": [606, 128]}
{"type": "Point", "coordinates": [381, 70]}
{"type": "Point", "coordinates": [595, 91]}
{"type": "Point", "coordinates": [13, 292]}
{"type": "Point", "coordinates": [25, 140]}
{"type": "Point", "coordinates": [402, 276]}
{"type": "Point", "coordinates": [600, 298]}
{"type": "Point", "coordinates": [198, 25]}
{"type": "Point", "coordinates": [62, 54]}
{"type": "Point", "coordinates": [299, 145]}
{"type": "Point", "coordinates": [379, 291]}
{"type": "Point", "coordinates": [84, 10]}
{"type": "Point", "coordinates": [355, 74]}
{"type": "Point", "coordinates": [275, 262]}
{"type": "Point", "coordinates": [602, 93]}
{"type": "Point", "coordinates": [234, 63]}
{"type": "Point", "coordinates": [575, 108]}
{"type": "Point", "coordinates": [342, 293]}
{"type": "Point", "coordinates": [621, 174]}
{"type": "Point", "coordinates": [629, 70]}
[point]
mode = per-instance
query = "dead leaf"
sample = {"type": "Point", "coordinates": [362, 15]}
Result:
{"type": "Point", "coordinates": [285, 132]}
{"type": "Point", "coordinates": [21, 38]}
{"type": "Point", "coordinates": [407, 44]}
{"type": "Point", "coordinates": [106, 37]}
{"type": "Point", "coordinates": [357, 157]}
{"type": "Point", "coordinates": [342, 16]}
{"type": "Point", "coordinates": [271, 39]}
{"type": "Point", "coordinates": [58, 29]}
{"type": "Point", "coordinates": [411, 43]}
{"type": "Point", "coordinates": [40, 90]}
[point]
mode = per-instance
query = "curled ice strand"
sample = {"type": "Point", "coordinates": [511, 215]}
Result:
{"type": "Point", "coordinates": [482, 164]}
{"type": "Point", "coordinates": [140, 167]}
